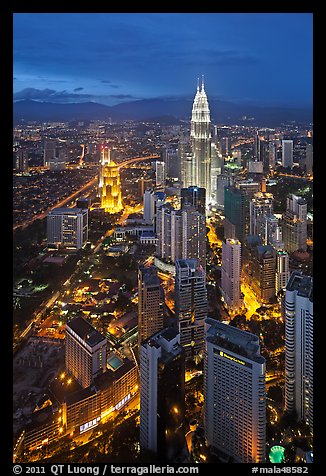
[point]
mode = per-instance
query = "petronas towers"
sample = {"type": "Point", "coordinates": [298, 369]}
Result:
{"type": "Point", "coordinates": [197, 166]}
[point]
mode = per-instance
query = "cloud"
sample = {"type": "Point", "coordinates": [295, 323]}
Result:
{"type": "Point", "coordinates": [109, 82]}
{"type": "Point", "coordinates": [78, 89]}
{"type": "Point", "coordinates": [50, 95]}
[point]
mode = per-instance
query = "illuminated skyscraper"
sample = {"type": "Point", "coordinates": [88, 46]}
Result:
{"type": "Point", "coordinates": [200, 137]}
{"type": "Point", "coordinates": [299, 359]}
{"type": "Point", "coordinates": [150, 303]}
{"type": "Point", "coordinates": [162, 395]}
{"type": "Point", "coordinates": [109, 183]}
{"type": "Point", "coordinates": [287, 153]}
{"type": "Point", "coordinates": [235, 393]}
{"type": "Point", "coordinates": [231, 274]}
{"type": "Point", "coordinates": [190, 305]}
{"type": "Point", "coordinates": [85, 351]}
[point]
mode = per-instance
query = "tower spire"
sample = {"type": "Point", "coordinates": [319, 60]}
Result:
{"type": "Point", "coordinates": [202, 82]}
{"type": "Point", "coordinates": [198, 84]}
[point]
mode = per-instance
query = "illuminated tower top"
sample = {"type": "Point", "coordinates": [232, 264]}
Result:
{"type": "Point", "coordinates": [200, 114]}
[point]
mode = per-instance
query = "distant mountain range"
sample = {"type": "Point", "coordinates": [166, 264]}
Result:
{"type": "Point", "coordinates": [167, 111]}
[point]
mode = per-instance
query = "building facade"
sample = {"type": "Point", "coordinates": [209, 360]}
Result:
{"type": "Point", "coordinates": [231, 274]}
{"type": "Point", "coordinates": [235, 393]}
{"type": "Point", "coordinates": [299, 347]}
{"type": "Point", "coordinates": [162, 394]}
{"type": "Point", "coordinates": [85, 355]}
{"type": "Point", "coordinates": [150, 303]}
{"type": "Point", "coordinates": [67, 228]}
{"type": "Point", "coordinates": [190, 305]}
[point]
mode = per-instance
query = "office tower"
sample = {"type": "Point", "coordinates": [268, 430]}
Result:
{"type": "Point", "coordinates": [222, 182]}
{"type": "Point", "coordinates": [160, 174]}
{"type": "Point", "coordinates": [200, 137]}
{"type": "Point", "coordinates": [294, 224]}
{"type": "Point", "coordinates": [299, 347]}
{"type": "Point", "coordinates": [193, 235]}
{"type": "Point", "coordinates": [150, 303]}
{"type": "Point", "coordinates": [109, 183]}
{"type": "Point", "coordinates": [186, 161]}
{"type": "Point", "coordinates": [263, 273]}
{"type": "Point", "coordinates": [162, 395]}
{"type": "Point", "coordinates": [169, 233]}
{"type": "Point", "coordinates": [85, 351]}
{"type": "Point", "coordinates": [149, 208]}
{"type": "Point", "coordinates": [248, 186]}
{"type": "Point", "coordinates": [49, 151]}
{"type": "Point", "coordinates": [180, 234]}
{"type": "Point", "coordinates": [21, 164]}
{"type": "Point", "coordinates": [260, 206]}
{"type": "Point", "coordinates": [309, 159]}
{"type": "Point", "coordinates": [235, 393]}
{"type": "Point", "coordinates": [190, 305]}
{"type": "Point", "coordinates": [272, 232]}
{"type": "Point", "coordinates": [272, 152]}
{"type": "Point", "coordinates": [287, 153]}
{"type": "Point", "coordinates": [159, 200]}
{"type": "Point", "coordinates": [172, 162]}
{"type": "Point", "coordinates": [235, 213]}
{"type": "Point", "coordinates": [282, 271]}
{"type": "Point", "coordinates": [216, 164]}
{"type": "Point", "coordinates": [195, 197]}
{"type": "Point", "coordinates": [231, 274]}
{"type": "Point", "coordinates": [67, 228]}
{"type": "Point", "coordinates": [143, 184]}
{"type": "Point", "coordinates": [257, 144]}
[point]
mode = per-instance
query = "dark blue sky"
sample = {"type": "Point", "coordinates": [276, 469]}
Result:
{"type": "Point", "coordinates": [261, 58]}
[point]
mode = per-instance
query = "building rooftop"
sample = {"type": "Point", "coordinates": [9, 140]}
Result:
{"type": "Point", "coordinates": [235, 340]}
{"type": "Point", "coordinates": [302, 284]}
{"type": "Point", "coordinates": [85, 331]}
{"type": "Point", "coordinates": [66, 211]}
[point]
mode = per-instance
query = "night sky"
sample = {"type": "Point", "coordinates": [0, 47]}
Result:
{"type": "Point", "coordinates": [259, 58]}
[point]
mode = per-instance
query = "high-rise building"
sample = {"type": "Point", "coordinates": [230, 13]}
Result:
{"type": "Point", "coordinates": [85, 351]}
{"type": "Point", "coordinates": [181, 234]}
{"type": "Point", "coordinates": [149, 208]}
{"type": "Point", "coordinates": [150, 303]}
{"type": "Point", "coordinates": [109, 183]}
{"type": "Point", "coordinates": [294, 224]}
{"type": "Point", "coordinates": [160, 174]}
{"type": "Point", "coordinates": [21, 160]}
{"type": "Point", "coordinates": [272, 151]}
{"type": "Point", "coordinates": [200, 137]}
{"type": "Point", "coordinates": [162, 395]}
{"type": "Point", "coordinates": [143, 184]}
{"type": "Point", "coordinates": [193, 235]}
{"type": "Point", "coordinates": [272, 234]}
{"type": "Point", "coordinates": [231, 274]}
{"type": "Point", "coordinates": [299, 347]}
{"type": "Point", "coordinates": [309, 159]}
{"type": "Point", "coordinates": [186, 161]}
{"type": "Point", "coordinates": [260, 206]}
{"type": "Point", "coordinates": [195, 197]}
{"type": "Point", "coordinates": [235, 213]}
{"type": "Point", "coordinates": [172, 161]}
{"type": "Point", "coordinates": [169, 233]}
{"type": "Point", "coordinates": [263, 273]}
{"type": "Point", "coordinates": [282, 274]}
{"type": "Point", "coordinates": [235, 393]}
{"type": "Point", "coordinates": [222, 182]}
{"type": "Point", "coordinates": [49, 151]}
{"type": "Point", "coordinates": [287, 153]}
{"type": "Point", "coordinates": [67, 228]}
{"type": "Point", "coordinates": [190, 305]}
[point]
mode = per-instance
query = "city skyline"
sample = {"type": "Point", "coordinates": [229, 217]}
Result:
{"type": "Point", "coordinates": [116, 57]}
